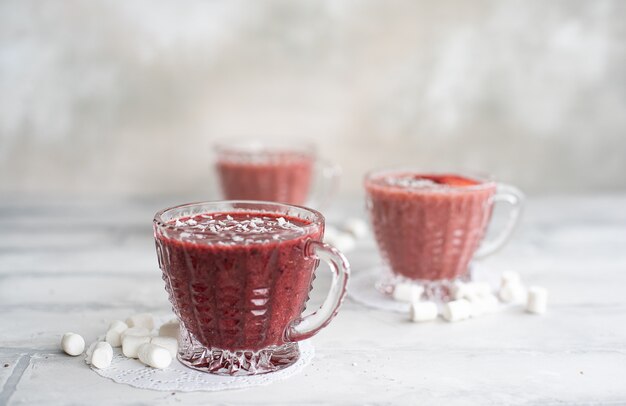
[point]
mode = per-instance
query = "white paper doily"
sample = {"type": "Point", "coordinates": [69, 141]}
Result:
{"type": "Point", "coordinates": [178, 377]}
{"type": "Point", "coordinates": [362, 288]}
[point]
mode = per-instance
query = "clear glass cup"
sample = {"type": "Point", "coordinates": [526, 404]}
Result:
{"type": "Point", "coordinates": [238, 274]}
{"type": "Point", "coordinates": [429, 226]}
{"type": "Point", "coordinates": [287, 172]}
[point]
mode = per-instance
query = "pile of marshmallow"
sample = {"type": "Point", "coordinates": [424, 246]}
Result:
{"type": "Point", "coordinates": [134, 337]}
{"type": "Point", "coordinates": [344, 237]}
{"type": "Point", "coordinates": [472, 299]}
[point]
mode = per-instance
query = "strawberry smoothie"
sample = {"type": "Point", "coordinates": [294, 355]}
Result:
{"type": "Point", "coordinates": [428, 226]}
{"type": "Point", "coordinates": [238, 292]}
{"type": "Point", "coordinates": [269, 175]}
{"type": "Point", "coordinates": [238, 274]}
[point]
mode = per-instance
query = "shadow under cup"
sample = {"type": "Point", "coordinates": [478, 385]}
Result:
{"type": "Point", "coordinates": [238, 276]}
{"type": "Point", "coordinates": [429, 227]}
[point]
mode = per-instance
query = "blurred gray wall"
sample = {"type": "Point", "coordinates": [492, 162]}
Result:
{"type": "Point", "coordinates": [125, 98]}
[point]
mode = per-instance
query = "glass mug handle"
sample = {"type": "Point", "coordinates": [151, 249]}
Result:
{"type": "Point", "coordinates": [308, 326]}
{"type": "Point", "coordinates": [327, 176]}
{"type": "Point", "coordinates": [515, 198]}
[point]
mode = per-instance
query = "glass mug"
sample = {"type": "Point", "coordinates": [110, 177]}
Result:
{"type": "Point", "coordinates": [238, 275]}
{"type": "Point", "coordinates": [286, 172]}
{"type": "Point", "coordinates": [429, 226]}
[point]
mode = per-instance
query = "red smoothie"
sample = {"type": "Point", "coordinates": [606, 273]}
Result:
{"type": "Point", "coordinates": [237, 279]}
{"type": "Point", "coordinates": [277, 176]}
{"type": "Point", "coordinates": [428, 226]}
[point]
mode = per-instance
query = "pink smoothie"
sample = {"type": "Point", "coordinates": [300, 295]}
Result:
{"type": "Point", "coordinates": [428, 226]}
{"type": "Point", "coordinates": [266, 175]}
{"type": "Point", "coordinates": [236, 280]}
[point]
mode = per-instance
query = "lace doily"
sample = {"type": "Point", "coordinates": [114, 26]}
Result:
{"type": "Point", "coordinates": [178, 377]}
{"type": "Point", "coordinates": [363, 289]}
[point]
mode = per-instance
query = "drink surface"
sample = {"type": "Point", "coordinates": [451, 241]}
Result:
{"type": "Point", "coordinates": [237, 279]}
{"type": "Point", "coordinates": [235, 228]}
{"type": "Point", "coordinates": [428, 226]}
{"type": "Point", "coordinates": [411, 182]}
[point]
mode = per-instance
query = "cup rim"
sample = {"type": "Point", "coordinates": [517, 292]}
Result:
{"type": "Point", "coordinates": [485, 180]}
{"type": "Point", "coordinates": [317, 221]}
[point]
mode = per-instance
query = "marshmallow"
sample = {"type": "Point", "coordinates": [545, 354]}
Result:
{"type": "Point", "coordinates": [407, 292]}
{"type": "Point", "coordinates": [89, 351]}
{"type": "Point", "coordinates": [330, 233]}
{"type": "Point", "coordinates": [457, 310]}
{"type": "Point", "coordinates": [461, 290]}
{"type": "Point", "coordinates": [134, 331]}
{"type": "Point", "coordinates": [169, 343]}
{"type": "Point", "coordinates": [141, 320]}
{"type": "Point", "coordinates": [512, 292]}
{"type": "Point", "coordinates": [357, 227]}
{"type": "Point", "coordinates": [342, 241]}
{"type": "Point", "coordinates": [170, 329]}
{"type": "Point", "coordinates": [480, 288]}
{"type": "Point", "coordinates": [154, 356]}
{"type": "Point", "coordinates": [509, 277]}
{"type": "Point", "coordinates": [423, 311]}
{"type": "Point", "coordinates": [537, 301]}
{"type": "Point", "coordinates": [131, 344]}
{"type": "Point", "coordinates": [113, 336]}
{"type": "Point", "coordinates": [482, 304]}
{"type": "Point", "coordinates": [467, 290]}
{"type": "Point", "coordinates": [477, 307]}
{"type": "Point", "coordinates": [73, 344]}
{"type": "Point", "coordinates": [102, 355]}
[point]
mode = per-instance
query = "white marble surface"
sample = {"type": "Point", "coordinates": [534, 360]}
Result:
{"type": "Point", "coordinates": [74, 266]}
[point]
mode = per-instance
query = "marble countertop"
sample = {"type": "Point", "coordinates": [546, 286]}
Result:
{"type": "Point", "coordinates": [75, 265]}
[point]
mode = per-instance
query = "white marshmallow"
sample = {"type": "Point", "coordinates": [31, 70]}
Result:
{"type": "Point", "coordinates": [73, 344]}
{"type": "Point", "coordinates": [483, 304]}
{"type": "Point", "coordinates": [509, 277]}
{"type": "Point", "coordinates": [457, 310]}
{"type": "Point", "coordinates": [134, 331]}
{"type": "Point", "coordinates": [141, 320]}
{"type": "Point", "coordinates": [407, 292]}
{"type": "Point", "coordinates": [154, 356]}
{"type": "Point", "coordinates": [330, 233]}
{"type": "Point", "coordinates": [131, 344]}
{"type": "Point", "coordinates": [461, 290]}
{"type": "Point", "coordinates": [102, 355]}
{"type": "Point", "coordinates": [117, 325]}
{"type": "Point", "coordinates": [89, 351]}
{"type": "Point", "coordinates": [357, 227]}
{"type": "Point", "coordinates": [477, 307]}
{"type": "Point", "coordinates": [537, 301]}
{"type": "Point", "coordinates": [169, 343]}
{"type": "Point", "coordinates": [342, 241]}
{"type": "Point", "coordinates": [170, 329]}
{"type": "Point", "coordinates": [513, 292]}
{"type": "Point", "coordinates": [423, 311]}
{"type": "Point", "coordinates": [480, 288]}
{"type": "Point", "coordinates": [467, 290]}
{"type": "Point", "coordinates": [113, 335]}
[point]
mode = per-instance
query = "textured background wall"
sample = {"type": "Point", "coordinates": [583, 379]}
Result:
{"type": "Point", "coordinates": [124, 98]}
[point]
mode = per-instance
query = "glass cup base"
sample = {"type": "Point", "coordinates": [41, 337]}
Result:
{"type": "Point", "coordinates": [237, 363]}
{"type": "Point", "coordinates": [439, 290]}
